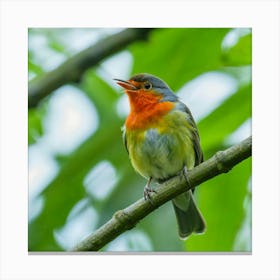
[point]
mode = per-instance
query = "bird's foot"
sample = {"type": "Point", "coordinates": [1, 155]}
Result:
{"type": "Point", "coordinates": [186, 175]}
{"type": "Point", "coordinates": [148, 190]}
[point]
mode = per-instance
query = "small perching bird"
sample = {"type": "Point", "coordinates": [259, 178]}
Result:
{"type": "Point", "coordinates": [162, 140]}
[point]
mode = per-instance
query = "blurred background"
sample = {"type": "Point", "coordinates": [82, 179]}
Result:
{"type": "Point", "coordinates": [79, 170]}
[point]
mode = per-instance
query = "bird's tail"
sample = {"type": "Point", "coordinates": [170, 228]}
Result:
{"type": "Point", "coordinates": [188, 216]}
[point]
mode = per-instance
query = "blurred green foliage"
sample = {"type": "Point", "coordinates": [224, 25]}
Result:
{"type": "Point", "coordinates": [178, 56]}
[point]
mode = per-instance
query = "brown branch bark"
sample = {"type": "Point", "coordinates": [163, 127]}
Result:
{"type": "Point", "coordinates": [127, 218]}
{"type": "Point", "coordinates": [72, 69]}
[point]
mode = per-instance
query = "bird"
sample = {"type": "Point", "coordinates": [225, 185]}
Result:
{"type": "Point", "coordinates": [162, 140]}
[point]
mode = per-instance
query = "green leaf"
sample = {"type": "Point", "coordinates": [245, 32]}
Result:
{"type": "Point", "coordinates": [36, 69]}
{"type": "Point", "coordinates": [225, 119]}
{"type": "Point", "coordinates": [240, 53]}
{"type": "Point", "coordinates": [57, 46]}
{"type": "Point", "coordinates": [100, 93]}
{"type": "Point", "coordinates": [35, 127]}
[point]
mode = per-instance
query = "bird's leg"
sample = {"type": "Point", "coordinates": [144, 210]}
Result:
{"type": "Point", "coordinates": [148, 190]}
{"type": "Point", "coordinates": [186, 175]}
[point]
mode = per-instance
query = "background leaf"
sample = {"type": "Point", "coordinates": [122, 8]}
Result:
{"type": "Point", "coordinates": [239, 54]}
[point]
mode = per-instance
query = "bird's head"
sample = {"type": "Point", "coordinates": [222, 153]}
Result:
{"type": "Point", "coordinates": [146, 88]}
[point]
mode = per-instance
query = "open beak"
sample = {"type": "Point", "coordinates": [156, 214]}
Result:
{"type": "Point", "coordinates": [126, 84]}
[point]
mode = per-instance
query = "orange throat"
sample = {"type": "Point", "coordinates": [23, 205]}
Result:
{"type": "Point", "coordinates": [146, 109]}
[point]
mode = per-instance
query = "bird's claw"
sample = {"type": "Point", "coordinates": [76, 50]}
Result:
{"type": "Point", "coordinates": [147, 192]}
{"type": "Point", "coordinates": [186, 175]}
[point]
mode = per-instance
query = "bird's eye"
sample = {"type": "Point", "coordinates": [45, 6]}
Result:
{"type": "Point", "coordinates": [147, 85]}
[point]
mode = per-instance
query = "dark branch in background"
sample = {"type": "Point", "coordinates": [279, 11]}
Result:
{"type": "Point", "coordinates": [127, 218]}
{"type": "Point", "coordinates": [72, 69]}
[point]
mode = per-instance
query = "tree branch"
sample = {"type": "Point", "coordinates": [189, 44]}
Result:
{"type": "Point", "coordinates": [72, 69]}
{"type": "Point", "coordinates": [127, 218]}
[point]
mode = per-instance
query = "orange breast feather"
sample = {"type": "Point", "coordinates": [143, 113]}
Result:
{"type": "Point", "coordinates": [146, 110]}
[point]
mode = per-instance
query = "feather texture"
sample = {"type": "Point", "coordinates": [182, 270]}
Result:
{"type": "Point", "coordinates": [162, 139]}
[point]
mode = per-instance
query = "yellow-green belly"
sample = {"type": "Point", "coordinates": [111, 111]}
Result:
{"type": "Point", "coordinates": [164, 148]}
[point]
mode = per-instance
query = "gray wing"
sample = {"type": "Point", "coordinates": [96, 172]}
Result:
{"type": "Point", "coordinates": [196, 138]}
